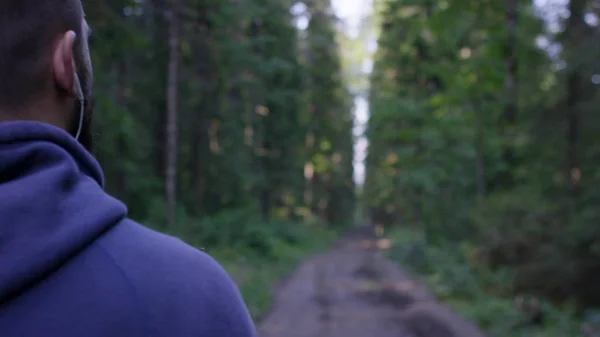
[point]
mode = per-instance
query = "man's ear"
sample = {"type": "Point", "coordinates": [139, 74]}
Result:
{"type": "Point", "coordinates": [63, 66]}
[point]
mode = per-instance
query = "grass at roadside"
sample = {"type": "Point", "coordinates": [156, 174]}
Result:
{"type": "Point", "coordinates": [257, 276]}
{"type": "Point", "coordinates": [474, 291]}
{"type": "Point", "coordinates": [257, 255]}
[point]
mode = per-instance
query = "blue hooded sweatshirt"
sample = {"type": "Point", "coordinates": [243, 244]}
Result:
{"type": "Point", "coordinates": [73, 265]}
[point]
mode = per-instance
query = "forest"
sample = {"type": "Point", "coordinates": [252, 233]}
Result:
{"type": "Point", "coordinates": [231, 125]}
{"type": "Point", "coordinates": [219, 122]}
{"type": "Point", "coordinates": [481, 139]}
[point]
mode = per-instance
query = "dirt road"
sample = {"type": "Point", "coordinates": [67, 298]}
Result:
{"type": "Point", "coordinates": [353, 291]}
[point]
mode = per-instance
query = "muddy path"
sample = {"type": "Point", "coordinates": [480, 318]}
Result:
{"type": "Point", "coordinates": [352, 291]}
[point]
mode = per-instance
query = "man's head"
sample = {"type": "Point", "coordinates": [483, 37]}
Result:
{"type": "Point", "coordinates": [45, 67]}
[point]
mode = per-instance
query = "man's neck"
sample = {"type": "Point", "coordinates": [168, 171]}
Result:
{"type": "Point", "coordinates": [40, 112]}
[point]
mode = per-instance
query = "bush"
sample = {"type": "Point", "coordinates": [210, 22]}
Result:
{"type": "Point", "coordinates": [255, 253]}
{"type": "Point", "coordinates": [479, 293]}
{"type": "Point", "coordinates": [446, 268]}
{"type": "Point", "coordinates": [241, 230]}
{"type": "Point", "coordinates": [551, 255]}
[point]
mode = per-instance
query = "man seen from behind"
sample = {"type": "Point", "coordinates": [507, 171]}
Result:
{"type": "Point", "coordinates": [71, 263]}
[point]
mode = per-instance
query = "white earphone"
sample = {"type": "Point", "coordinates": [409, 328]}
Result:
{"type": "Point", "coordinates": [80, 98]}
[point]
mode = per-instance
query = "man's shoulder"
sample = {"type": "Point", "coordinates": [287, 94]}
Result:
{"type": "Point", "coordinates": [180, 286]}
{"type": "Point", "coordinates": [130, 241]}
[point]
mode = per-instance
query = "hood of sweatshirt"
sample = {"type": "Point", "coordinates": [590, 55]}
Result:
{"type": "Point", "coordinates": [52, 203]}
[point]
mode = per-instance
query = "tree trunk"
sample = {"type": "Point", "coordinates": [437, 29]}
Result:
{"type": "Point", "coordinates": [480, 150]}
{"type": "Point", "coordinates": [574, 34]}
{"type": "Point", "coordinates": [171, 125]}
{"type": "Point", "coordinates": [204, 74]}
{"type": "Point", "coordinates": [510, 92]}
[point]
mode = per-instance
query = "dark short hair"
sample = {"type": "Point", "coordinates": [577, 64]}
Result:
{"type": "Point", "coordinates": [27, 31]}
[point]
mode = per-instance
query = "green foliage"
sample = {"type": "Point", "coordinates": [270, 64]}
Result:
{"type": "Point", "coordinates": [248, 100]}
{"type": "Point", "coordinates": [242, 229]}
{"type": "Point", "coordinates": [258, 276]}
{"type": "Point", "coordinates": [256, 254]}
{"type": "Point", "coordinates": [526, 231]}
{"type": "Point", "coordinates": [258, 104]}
{"type": "Point", "coordinates": [475, 291]}
{"type": "Point", "coordinates": [480, 134]}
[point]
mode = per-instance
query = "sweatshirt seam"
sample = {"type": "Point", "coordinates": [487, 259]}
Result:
{"type": "Point", "coordinates": [132, 288]}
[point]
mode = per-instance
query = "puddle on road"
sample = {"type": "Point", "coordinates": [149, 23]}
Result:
{"type": "Point", "coordinates": [385, 295]}
{"type": "Point", "coordinates": [367, 244]}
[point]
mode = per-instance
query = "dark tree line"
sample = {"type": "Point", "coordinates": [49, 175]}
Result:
{"type": "Point", "coordinates": [210, 107]}
{"type": "Point", "coordinates": [484, 127]}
